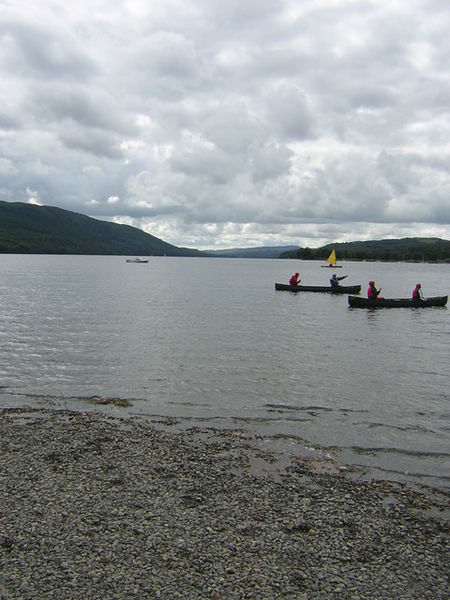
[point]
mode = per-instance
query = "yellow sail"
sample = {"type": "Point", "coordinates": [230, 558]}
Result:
{"type": "Point", "coordinates": [332, 258]}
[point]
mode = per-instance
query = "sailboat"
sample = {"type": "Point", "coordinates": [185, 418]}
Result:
{"type": "Point", "coordinates": [331, 260]}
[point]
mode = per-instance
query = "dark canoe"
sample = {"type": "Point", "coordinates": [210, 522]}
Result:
{"type": "Point", "coordinates": [358, 302]}
{"type": "Point", "coordinates": [342, 289]}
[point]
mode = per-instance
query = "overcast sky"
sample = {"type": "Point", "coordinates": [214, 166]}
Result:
{"type": "Point", "coordinates": [214, 124]}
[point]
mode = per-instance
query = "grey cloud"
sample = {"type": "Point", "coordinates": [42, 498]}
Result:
{"type": "Point", "coordinates": [231, 127]}
{"type": "Point", "coordinates": [7, 167]}
{"type": "Point", "coordinates": [398, 172]}
{"type": "Point", "coordinates": [97, 142]}
{"type": "Point", "coordinates": [164, 65]}
{"type": "Point", "coordinates": [166, 54]}
{"type": "Point", "coordinates": [35, 50]}
{"type": "Point", "coordinates": [81, 106]}
{"type": "Point", "coordinates": [269, 160]}
{"type": "Point", "coordinates": [289, 111]}
{"type": "Point", "coordinates": [8, 120]}
{"type": "Point", "coordinates": [210, 163]}
{"type": "Point", "coordinates": [237, 14]}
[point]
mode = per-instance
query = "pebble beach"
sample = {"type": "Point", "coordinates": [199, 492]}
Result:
{"type": "Point", "coordinates": [101, 507]}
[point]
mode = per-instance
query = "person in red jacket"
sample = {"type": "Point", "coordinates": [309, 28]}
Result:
{"type": "Point", "coordinates": [294, 280]}
{"type": "Point", "coordinates": [372, 292]}
{"type": "Point", "coordinates": [417, 293]}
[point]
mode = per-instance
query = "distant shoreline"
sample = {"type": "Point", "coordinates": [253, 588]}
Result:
{"type": "Point", "coordinates": [227, 256]}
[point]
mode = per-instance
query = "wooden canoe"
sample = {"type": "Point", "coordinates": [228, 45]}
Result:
{"type": "Point", "coordinates": [358, 302]}
{"type": "Point", "coordinates": [341, 289]}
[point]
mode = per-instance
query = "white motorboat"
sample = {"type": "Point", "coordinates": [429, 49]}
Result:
{"type": "Point", "coordinates": [138, 259]}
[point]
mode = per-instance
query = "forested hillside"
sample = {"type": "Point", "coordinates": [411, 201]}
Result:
{"type": "Point", "coordinates": [31, 229]}
{"type": "Point", "coordinates": [405, 249]}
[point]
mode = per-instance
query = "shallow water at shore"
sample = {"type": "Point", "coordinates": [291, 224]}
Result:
{"type": "Point", "coordinates": [209, 342]}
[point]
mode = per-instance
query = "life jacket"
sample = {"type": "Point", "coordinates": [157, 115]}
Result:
{"type": "Point", "coordinates": [371, 292]}
{"type": "Point", "coordinates": [416, 294]}
{"type": "Point", "coordinates": [293, 280]}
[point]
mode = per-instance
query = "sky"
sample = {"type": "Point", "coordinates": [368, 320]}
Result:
{"type": "Point", "coordinates": [217, 124]}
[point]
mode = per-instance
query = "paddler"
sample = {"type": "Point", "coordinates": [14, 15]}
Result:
{"type": "Point", "coordinates": [334, 281]}
{"type": "Point", "coordinates": [372, 292]}
{"type": "Point", "coordinates": [294, 279]}
{"type": "Point", "coordinates": [417, 294]}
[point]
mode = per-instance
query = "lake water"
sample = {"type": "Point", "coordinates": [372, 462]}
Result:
{"type": "Point", "coordinates": [211, 342]}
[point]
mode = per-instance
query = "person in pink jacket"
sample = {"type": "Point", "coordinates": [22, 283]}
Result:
{"type": "Point", "coordinates": [294, 280]}
{"type": "Point", "coordinates": [372, 292]}
{"type": "Point", "coordinates": [417, 292]}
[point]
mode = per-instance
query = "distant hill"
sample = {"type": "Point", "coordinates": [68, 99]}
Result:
{"type": "Point", "coordinates": [405, 249]}
{"type": "Point", "coordinates": [30, 229]}
{"type": "Point", "coordinates": [259, 252]}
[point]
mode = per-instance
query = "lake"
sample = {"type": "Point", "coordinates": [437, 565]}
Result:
{"type": "Point", "coordinates": [210, 342]}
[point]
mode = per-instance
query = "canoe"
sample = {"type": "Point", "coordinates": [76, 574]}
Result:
{"type": "Point", "coordinates": [358, 302]}
{"type": "Point", "coordinates": [342, 289]}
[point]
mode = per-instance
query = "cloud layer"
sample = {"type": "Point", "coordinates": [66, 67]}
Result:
{"type": "Point", "coordinates": [218, 124]}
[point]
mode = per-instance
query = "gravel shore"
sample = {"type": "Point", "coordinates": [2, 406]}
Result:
{"type": "Point", "coordinates": [108, 508]}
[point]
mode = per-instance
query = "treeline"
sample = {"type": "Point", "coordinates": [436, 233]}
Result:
{"type": "Point", "coordinates": [405, 250]}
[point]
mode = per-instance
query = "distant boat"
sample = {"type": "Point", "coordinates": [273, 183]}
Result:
{"type": "Point", "coordinates": [358, 302]}
{"type": "Point", "coordinates": [138, 259]}
{"type": "Point", "coordinates": [331, 260]}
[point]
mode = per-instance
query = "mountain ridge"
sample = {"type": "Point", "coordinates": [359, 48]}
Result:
{"type": "Point", "coordinates": [34, 229]}
{"type": "Point", "coordinates": [31, 229]}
